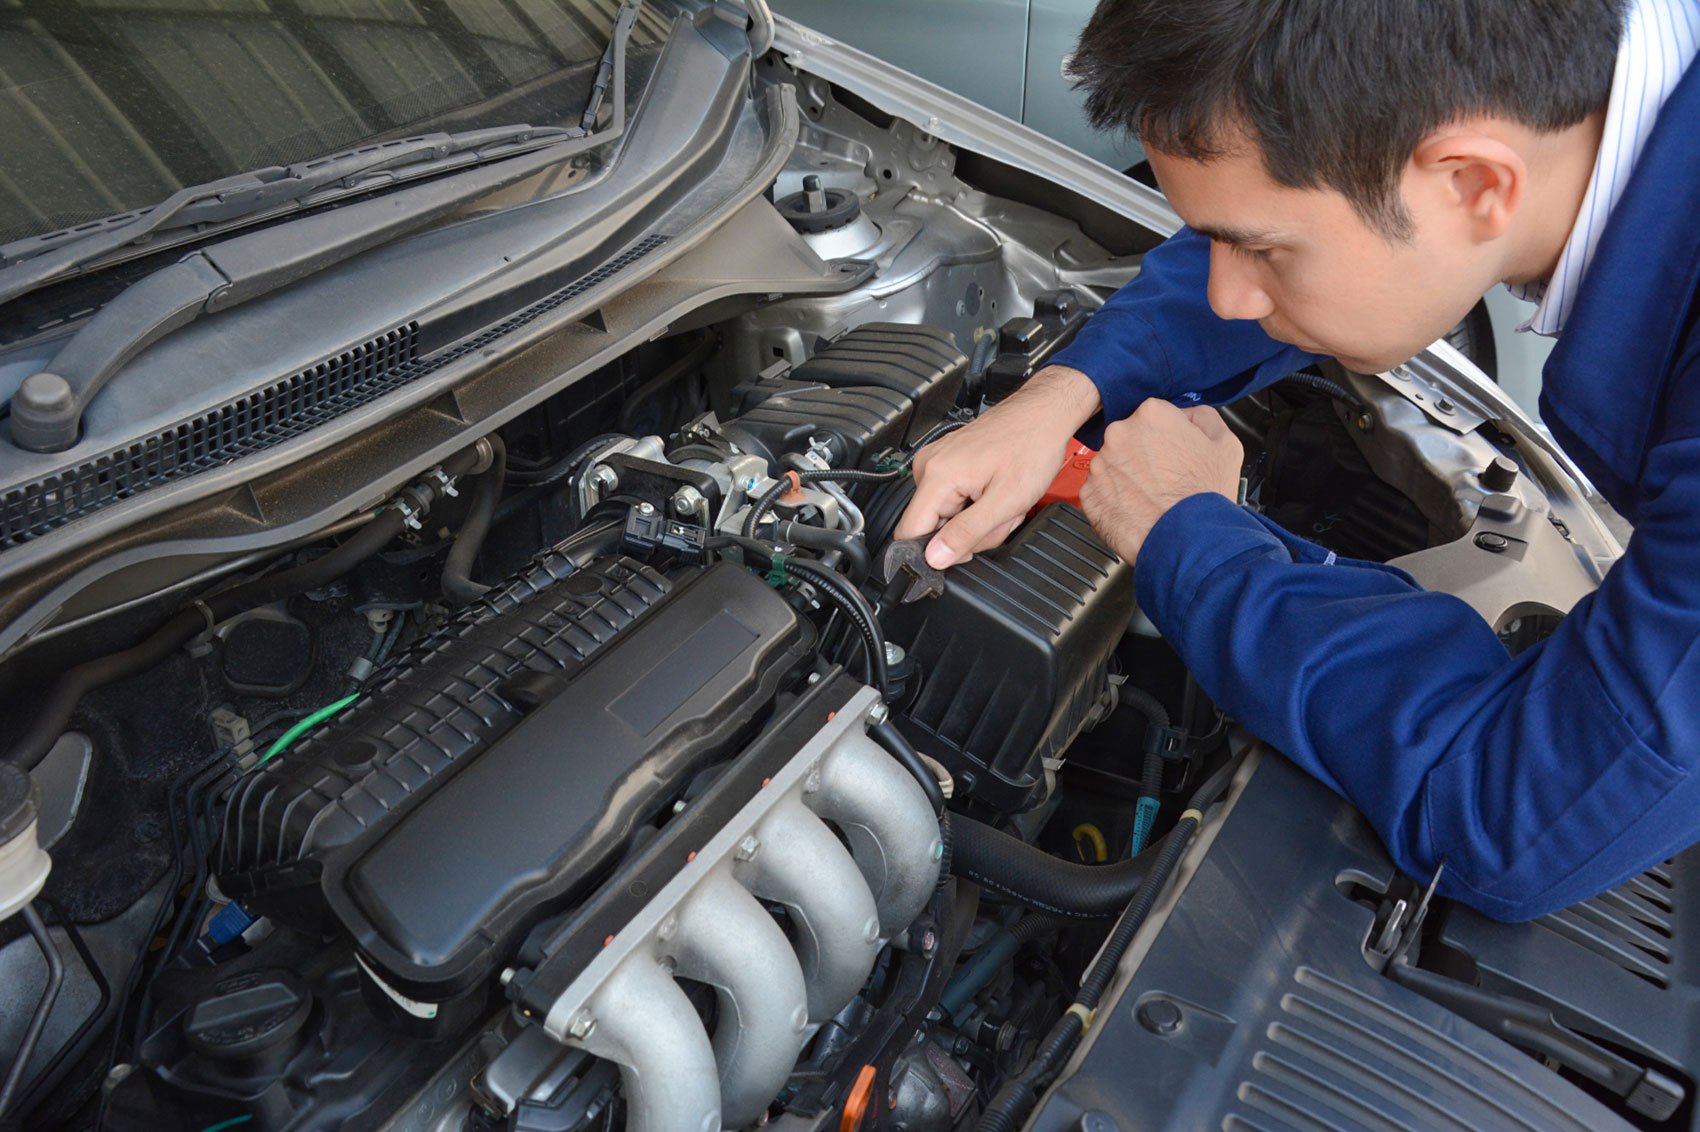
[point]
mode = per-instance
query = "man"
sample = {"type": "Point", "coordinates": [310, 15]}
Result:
{"type": "Point", "coordinates": [1354, 174]}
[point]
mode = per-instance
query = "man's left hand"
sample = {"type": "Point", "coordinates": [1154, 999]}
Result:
{"type": "Point", "coordinates": [1151, 461]}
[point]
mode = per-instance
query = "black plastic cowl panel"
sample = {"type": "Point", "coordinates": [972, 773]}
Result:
{"type": "Point", "coordinates": [1013, 656]}
{"type": "Point", "coordinates": [436, 895]}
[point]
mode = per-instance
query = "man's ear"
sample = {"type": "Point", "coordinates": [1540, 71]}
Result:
{"type": "Point", "coordinates": [1480, 175]}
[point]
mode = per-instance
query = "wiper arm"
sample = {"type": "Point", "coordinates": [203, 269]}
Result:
{"type": "Point", "coordinates": [27, 265]}
{"type": "Point", "coordinates": [613, 55]}
{"type": "Point", "coordinates": [47, 410]}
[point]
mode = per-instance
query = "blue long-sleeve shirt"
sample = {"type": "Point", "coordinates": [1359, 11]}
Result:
{"type": "Point", "coordinates": [1541, 779]}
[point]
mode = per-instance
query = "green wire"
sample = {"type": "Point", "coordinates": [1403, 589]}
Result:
{"type": "Point", "coordinates": [283, 742]}
{"type": "Point", "coordinates": [232, 1122]}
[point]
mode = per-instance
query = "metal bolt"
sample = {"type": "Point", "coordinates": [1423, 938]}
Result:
{"type": "Point", "coordinates": [603, 480]}
{"type": "Point", "coordinates": [507, 976]}
{"type": "Point", "coordinates": [687, 502]}
{"type": "Point", "coordinates": [814, 678]}
{"type": "Point", "coordinates": [747, 848]}
{"type": "Point", "coordinates": [1445, 406]}
{"type": "Point", "coordinates": [878, 714]}
{"type": "Point", "coordinates": [646, 508]}
{"type": "Point", "coordinates": [582, 1024]}
{"type": "Point", "coordinates": [929, 941]}
{"type": "Point", "coordinates": [1160, 1016]}
{"type": "Point", "coordinates": [667, 928]}
{"type": "Point", "coordinates": [1495, 543]}
{"type": "Point", "coordinates": [894, 654]}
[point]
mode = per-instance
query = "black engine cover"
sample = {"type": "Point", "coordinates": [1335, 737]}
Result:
{"type": "Point", "coordinates": [436, 897]}
{"type": "Point", "coordinates": [491, 818]}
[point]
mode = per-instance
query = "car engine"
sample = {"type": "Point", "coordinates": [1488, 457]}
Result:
{"type": "Point", "coordinates": [619, 771]}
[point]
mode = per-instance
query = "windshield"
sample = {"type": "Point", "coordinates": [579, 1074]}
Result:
{"type": "Point", "coordinates": [111, 105]}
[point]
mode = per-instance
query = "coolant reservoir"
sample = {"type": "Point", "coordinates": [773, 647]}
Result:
{"type": "Point", "coordinates": [23, 863]}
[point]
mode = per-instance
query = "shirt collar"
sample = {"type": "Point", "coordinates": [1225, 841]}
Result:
{"type": "Point", "coordinates": [1660, 39]}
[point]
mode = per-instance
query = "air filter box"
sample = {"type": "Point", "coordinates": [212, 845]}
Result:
{"type": "Point", "coordinates": [1013, 658]}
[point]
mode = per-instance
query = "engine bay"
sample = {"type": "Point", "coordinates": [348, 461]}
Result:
{"type": "Point", "coordinates": [618, 771]}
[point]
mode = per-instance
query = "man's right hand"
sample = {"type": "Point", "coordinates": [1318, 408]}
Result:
{"type": "Point", "coordinates": [981, 480]}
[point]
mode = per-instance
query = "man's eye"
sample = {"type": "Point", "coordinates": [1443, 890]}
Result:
{"type": "Point", "coordinates": [1251, 252]}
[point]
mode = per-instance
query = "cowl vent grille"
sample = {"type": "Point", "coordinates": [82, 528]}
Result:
{"type": "Point", "coordinates": [264, 418]}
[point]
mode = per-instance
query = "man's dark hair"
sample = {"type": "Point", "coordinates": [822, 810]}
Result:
{"type": "Point", "coordinates": [1339, 93]}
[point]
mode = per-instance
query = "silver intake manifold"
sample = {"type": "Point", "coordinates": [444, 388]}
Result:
{"type": "Point", "coordinates": [842, 838]}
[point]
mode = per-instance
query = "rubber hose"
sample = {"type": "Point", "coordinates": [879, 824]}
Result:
{"type": "Point", "coordinates": [1324, 385]}
{"type": "Point", "coordinates": [886, 734]}
{"type": "Point", "coordinates": [38, 1020]}
{"type": "Point", "coordinates": [553, 473]}
{"type": "Point", "coordinates": [1169, 852]}
{"type": "Point", "coordinates": [1008, 865]}
{"type": "Point", "coordinates": [783, 484]}
{"type": "Point", "coordinates": [1146, 704]}
{"type": "Point", "coordinates": [847, 597]}
{"type": "Point", "coordinates": [458, 585]}
{"type": "Point", "coordinates": [62, 699]}
{"type": "Point", "coordinates": [71, 1047]}
{"type": "Point", "coordinates": [1151, 777]}
{"type": "Point", "coordinates": [947, 849]}
{"type": "Point", "coordinates": [1016, 1099]}
{"type": "Point", "coordinates": [856, 607]}
{"type": "Point", "coordinates": [943, 428]}
{"type": "Point", "coordinates": [884, 507]}
{"type": "Point", "coordinates": [854, 550]}
{"type": "Point", "coordinates": [762, 504]}
{"type": "Point", "coordinates": [1098, 978]}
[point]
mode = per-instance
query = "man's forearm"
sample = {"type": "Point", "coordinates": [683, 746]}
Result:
{"type": "Point", "coordinates": [1059, 394]}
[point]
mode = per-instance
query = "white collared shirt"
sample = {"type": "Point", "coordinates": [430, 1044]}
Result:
{"type": "Point", "coordinates": [1660, 40]}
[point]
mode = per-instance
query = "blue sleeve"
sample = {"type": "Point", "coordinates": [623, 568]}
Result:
{"type": "Point", "coordinates": [1158, 337]}
{"type": "Point", "coordinates": [1539, 780]}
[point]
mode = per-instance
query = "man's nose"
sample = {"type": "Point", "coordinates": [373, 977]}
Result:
{"type": "Point", "coordinates": [1234, 290]}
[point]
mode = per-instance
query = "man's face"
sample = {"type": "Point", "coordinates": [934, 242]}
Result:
{"type": "Point", "coordinates": [1312, 272]}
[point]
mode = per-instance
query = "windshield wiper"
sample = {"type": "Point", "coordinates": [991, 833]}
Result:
{"type": "Point", "coordinates": [47, 410]}
{"type": "Point", "coordinates": [37, 261]}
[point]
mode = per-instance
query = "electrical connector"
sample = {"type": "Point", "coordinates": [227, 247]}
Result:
{"type": "Point", "coordinates": [653, 532]}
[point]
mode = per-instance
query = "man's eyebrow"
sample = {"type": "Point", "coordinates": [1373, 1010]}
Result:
{"type": "Point", "coordinates": [1240, 236]}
